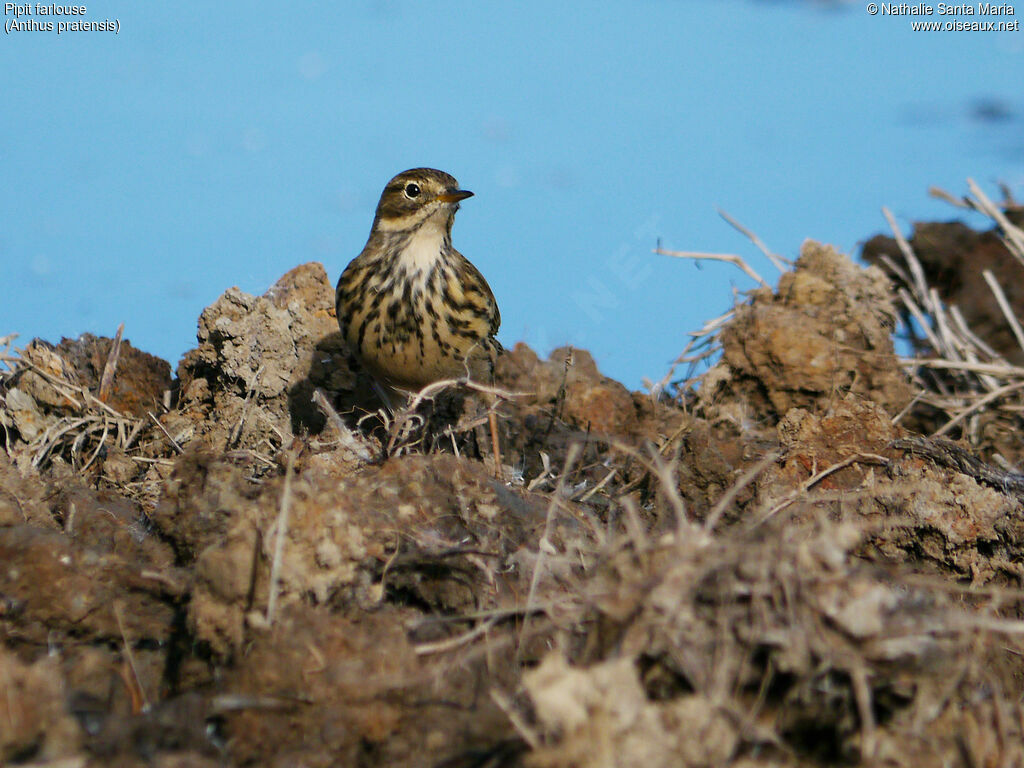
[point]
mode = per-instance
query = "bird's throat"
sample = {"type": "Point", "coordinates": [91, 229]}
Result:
{"type": "Point", "coordinates": [424, 249]}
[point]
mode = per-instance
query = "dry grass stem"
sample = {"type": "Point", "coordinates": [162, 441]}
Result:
{"type": "Point", "coordinates": [280, 533]}
{"type": "Point", "coordinates": [544, 546]}
{"type": "Point", "coordinates": [813, 480]}
{"type": "Point", "coordinates": [963, 328]}
{"type": "Point", "coordinates": [957, 202]}
{"type": "Point", "coordinates": [704, 340]}
{"type": "Point", "coordinates": [99, 446]}
{"type": "Point", "coordinates": [780, 263]}
{"type": "Point", "coordinates": [979, 405]}
{"type": "Point", "coordinates": [1004, 306]}
{"type": "Point", "coordinates": [236, 433]}
{"type": "Point", "coordinates": [1013, 236]}
{"type": "Point", "coordinates": [920, 317]}
{"type": "Point", "coordinates": [728, 258]}
{"type": "Point", "coordinates": [432, 390]}
{"type": "Point", "coordinates": [451, 643]}
{"type": "Point", "coordinates": [110, 367]}
{"type": "Point", "coordinates": [350, 440]}
{"type": "Point", "coordinates": [137, 681]}
{"type": "Point", "coordinates": [171, 440]}
{"type": "Point", "coordinates": [666, 474]}
{"type": "Point", "coordinates": [970, 368]}
{"type": "Point", "coordinates": [742, 482]}
{"type": "Point", "coordinates": [407, 424]}
{"type": "Point", "coordinates": [1000, 370]}
{"type": "Point", "coordinates": [599, 486]}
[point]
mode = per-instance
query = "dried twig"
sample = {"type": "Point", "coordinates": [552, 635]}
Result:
{"type": "Point", "coordinates": [728, 258]}
{"type": "Point", "coordinates": [1013, 236]}
{"type": "Point", "coordinates": [250, 391]}
{"type": "Point", "coordinates": [813, 480]}
{"type": "Point", "coordinates": [1001, 370]}
{"type": "Point", "coordinates": [780, 263]}
{"type": "Point", "coordinates": [744, 480]}
{"type": "Point", "coordinates": [544, 545]}
{"type": "Point", "coordinates": [280, 533]}
{"type": "Point", "coordinates": [451, 643]}
{"type": "Point", "coordinates": [119, 615]}
{"type": "Point", "coordinates": [171, 440]}
{"type": "Point", "coordinates": [1004, 306]}
{"type": "Point", "coordinates": [349, 440]}
{"type": "Point", "coordinates": [978, 405]}
{"type": "Point", "coordinates": [107, 378]}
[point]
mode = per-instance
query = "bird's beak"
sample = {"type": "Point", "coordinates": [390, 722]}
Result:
{"type": "Point", "coordinates": [454, 195]}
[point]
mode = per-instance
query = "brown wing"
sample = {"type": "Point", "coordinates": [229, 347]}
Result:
{"type": "Point", "coordinates": [476, 292]}
{"type": "Point", "coordinates": [350, 301]}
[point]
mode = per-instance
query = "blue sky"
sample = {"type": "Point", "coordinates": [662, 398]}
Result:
{"type": "Point", "coordinates": [216, 144]}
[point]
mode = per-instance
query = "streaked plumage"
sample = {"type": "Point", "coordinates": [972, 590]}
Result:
{"type": "Point", "coordinates": [411, 307]}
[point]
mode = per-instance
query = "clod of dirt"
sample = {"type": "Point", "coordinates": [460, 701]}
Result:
{"type": "Point", "coordinates": [426, 529]}
{"type": "Point", "coordinates": [779, 621]}
{"type": "Point", "coordinates": [22, 497]}
{"type": "Point", "coordinates": [54, 584]}
{"type": "Point", "coordinates": [140, 379]}
{"type": "Point", "coordinates": [57, 421]}
{"type": "Point", "coordinates": [812, 443]}
{"type": "Point", "coordinates": [569, 380]}
{"type": "Point", "coordinates": [33, 720]}
{"type": "Point", "coordinates": [602, 717]}
{"type": "Point", "coordinates": [351, 689]}
{"type": "Point", "coordinates": [933, 516]}
{"type": "Point", "coordinates": [825, 332]}
{"type": "Point", "coordinates": [47, 377]}
{"type": "Point", "coordinates": [249, 383]}
{"type": "Point", "coordinates": [565, 400]}
{"type": "Point", "coordinates": [53, 376]}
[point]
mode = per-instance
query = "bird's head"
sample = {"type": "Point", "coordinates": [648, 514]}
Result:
{"type": "Point", "coordinates": [417, 196]}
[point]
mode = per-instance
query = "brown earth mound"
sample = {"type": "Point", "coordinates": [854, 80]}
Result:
{"type": "Point", "coordinates": [259, 569]}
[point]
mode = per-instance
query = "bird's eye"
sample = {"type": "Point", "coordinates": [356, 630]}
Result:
{"type": "Point", "coordinates": [412, 190]}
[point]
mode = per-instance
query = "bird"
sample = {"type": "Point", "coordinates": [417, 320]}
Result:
{"type": "Point", "coordinates": [412, 309]}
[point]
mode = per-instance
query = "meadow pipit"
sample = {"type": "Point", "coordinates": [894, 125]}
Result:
{"type": "Point", "coordinates": [411, 307]}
